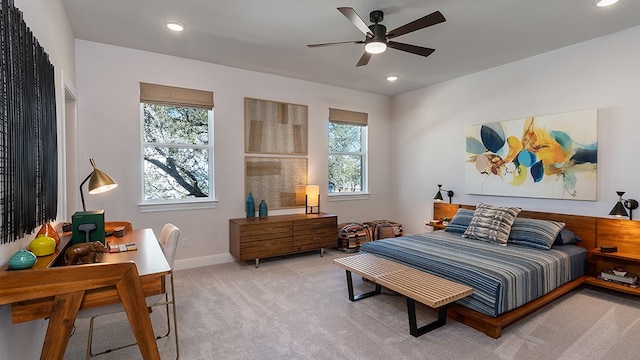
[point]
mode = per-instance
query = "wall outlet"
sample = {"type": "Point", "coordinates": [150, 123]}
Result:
{"type": "Point", "coordinates": [185, 242]}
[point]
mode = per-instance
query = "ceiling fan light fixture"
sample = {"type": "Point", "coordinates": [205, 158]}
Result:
{"type": "Point", "coordinates": [174, 26]}
{"type": "Point", "coordinates": [604, 3]}
{"type": "Point", "coordinates": [375, 47]}
{"type": "Point", "coordinates": [392, 78]}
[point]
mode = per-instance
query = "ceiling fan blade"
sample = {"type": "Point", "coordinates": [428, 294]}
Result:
{"type": "Point", "coordinates": [364, 60]}
{"type": "Point", "coordinates": [355, 19]}
{"type": "Point", "coordinates": [418, 50]}
{"type": "Point", "coordinates": [425, 21]}
{"type": "Point", "coordinates": [335, 43]}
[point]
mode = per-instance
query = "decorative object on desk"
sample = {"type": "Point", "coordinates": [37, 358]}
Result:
{"type": "Point", "coordinates": [85, 253]}
{"type": "Point", "coordinates": [438, 196]}
{"type": "Point", "coordinates": [312, 199]}
{"type": "Point", "coordinates": [551, 156]}
{"type": "Point", "coordinates": [23, 259]}
{"type": "Point", "coordinates": [619, 209]}
{"type": "Point", "coordinates": [250, 206]}
{"type": "Point", "coordinates": [99, 182]}
{"type": "Point", "coordinates": [118, 231]}
{"type": "Point", "coordinates": [262, 212]}
{"type": "Point", "coordinates": [608, 249]}
{"type": "Point", "coordinates": [88, 226]}
{"type": "Point", "coordinates": [48, 230]}
{"type": "Point", "coordinates": [67, 227]}
{"type": "Point", "coordinates": [42, 245]}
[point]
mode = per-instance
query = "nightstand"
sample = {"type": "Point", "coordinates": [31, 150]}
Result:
{"type": "Point", "coordinates": [603, 261]}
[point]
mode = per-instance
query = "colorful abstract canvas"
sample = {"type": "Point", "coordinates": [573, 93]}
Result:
{"type": "Point", "coordinates": [552, 156]}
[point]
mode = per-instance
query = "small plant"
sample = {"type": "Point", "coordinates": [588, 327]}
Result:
{"type": "Point", "coordinates": [446, 219]}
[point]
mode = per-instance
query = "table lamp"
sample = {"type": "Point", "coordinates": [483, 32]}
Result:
{"type": "Point", "coordinates": [312, 199]}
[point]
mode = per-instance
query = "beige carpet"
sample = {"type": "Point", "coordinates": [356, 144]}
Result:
{"type": "Point", "coordinates": [297, 308]}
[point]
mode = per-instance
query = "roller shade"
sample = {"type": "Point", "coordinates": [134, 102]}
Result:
{"type": "Point", "coordinates": [175, 96]}
{"type": "Point", "coordinates": [348, 117]}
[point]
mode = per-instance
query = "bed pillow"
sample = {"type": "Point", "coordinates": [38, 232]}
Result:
{"type": "Point", "coordinates": [566, 236]}
{"type": "Point", "coordinates": [492, 224]}
{"type": "Point", "coordinates": [460, 221]}
{"type": "Point", "coordinates": [539, 234]}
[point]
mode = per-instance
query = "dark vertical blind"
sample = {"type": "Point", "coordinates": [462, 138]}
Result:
{"type": "Point", "coordinates": [28, 134]}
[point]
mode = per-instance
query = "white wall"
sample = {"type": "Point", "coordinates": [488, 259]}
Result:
{"type": "Point", "coordinates": [109, 129]}
{"type": "Point", "coordinates": [430, 123]}
{"type": "Point", "coordinates": [49, 24]}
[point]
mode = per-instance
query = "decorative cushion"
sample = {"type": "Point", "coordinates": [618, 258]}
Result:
{"type": "Point", "coordinates": [535, 233]}
{"type": "Point", "coordinates": [492, 224]}
{"type": "Point", "coordinates": [566, 236]}
{"type": "Point", "coordinates": [460, 221]}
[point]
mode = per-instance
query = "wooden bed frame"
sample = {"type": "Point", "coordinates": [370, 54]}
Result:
{"type": "Point", "coordinates": [584, 226]}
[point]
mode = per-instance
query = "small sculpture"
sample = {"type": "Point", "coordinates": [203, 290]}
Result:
{"type": "Point", "coordinates": [85, 253]}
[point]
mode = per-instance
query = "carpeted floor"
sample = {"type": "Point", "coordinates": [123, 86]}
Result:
{"type": "Point", "coordinates": [297, 308]}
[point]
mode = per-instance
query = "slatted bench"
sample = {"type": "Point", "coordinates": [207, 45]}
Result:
{"type": "Point", "coordinates": [414, 284]}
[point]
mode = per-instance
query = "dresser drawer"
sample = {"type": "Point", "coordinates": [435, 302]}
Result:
{"type": "Point", "coordinates": [266, 248]}
{"type": "Point", "coordinates": [309, 226]}
{"type": "Point", "coordinates": [257, 232]}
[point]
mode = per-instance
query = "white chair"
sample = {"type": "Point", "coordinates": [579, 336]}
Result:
{"type": "Point", "coordinates": [168, 241]}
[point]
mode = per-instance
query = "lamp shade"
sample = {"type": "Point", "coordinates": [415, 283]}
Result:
{"type": "Point", "coordinates": [619, 210]}
{"type": "Point", "coordinates": [99, 182]}
{"type": "Point", "coordinates": [313, 192]}
{"type": "Point", "coordinates": [438, 196]}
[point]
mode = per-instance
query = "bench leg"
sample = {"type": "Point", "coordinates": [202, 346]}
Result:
{"type": "Point", "coordinates": [353, 297]}
{"type": "Point", "coordinates": [413, 324]}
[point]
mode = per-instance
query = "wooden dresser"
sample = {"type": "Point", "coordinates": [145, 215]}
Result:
{"type": "Point", "coordinates": [257, 238]}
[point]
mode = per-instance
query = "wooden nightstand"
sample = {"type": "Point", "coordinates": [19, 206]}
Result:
{"type": "Point", "coordinates": [630, 262]}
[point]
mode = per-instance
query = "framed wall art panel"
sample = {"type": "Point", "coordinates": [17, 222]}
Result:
{"type": "Point", "coordinates": [280, 181]}
{"type": "Point", "coordinates": [551, 156]}
{"type": "Point", "coordinates": [275, 127]}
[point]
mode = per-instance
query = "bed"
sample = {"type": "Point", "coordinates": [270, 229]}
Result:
{"type": "Point", "coordinates": [508, 281]}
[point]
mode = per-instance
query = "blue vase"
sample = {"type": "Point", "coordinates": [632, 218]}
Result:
{"type": "Point", "coordinates": [250, 207]}
{"type": "Point", "coordinates": [262, 209]}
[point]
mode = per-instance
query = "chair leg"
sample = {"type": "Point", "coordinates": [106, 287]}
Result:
{"type": "Point", "coordinates": [166, 304]}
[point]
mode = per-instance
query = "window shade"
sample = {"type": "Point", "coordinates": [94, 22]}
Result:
{"type": "Point", "coordinates": [175, 96]}
{"type": "Point", "coordinates": [348, 117]}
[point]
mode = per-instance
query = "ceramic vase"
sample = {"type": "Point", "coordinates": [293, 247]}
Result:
{"type": "Point", "coordinates": [262, 209]}
{"type": "Point", "coordinates": [250, 207]}
{"type": "Point", "coordinates": [48, 230]}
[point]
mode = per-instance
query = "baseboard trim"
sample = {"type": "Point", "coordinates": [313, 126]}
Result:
{"type": "Point", "coordinates": [202, 261]}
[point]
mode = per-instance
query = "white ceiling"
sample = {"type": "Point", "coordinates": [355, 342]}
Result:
{"type": "Point", "coordinates": [270, 36]}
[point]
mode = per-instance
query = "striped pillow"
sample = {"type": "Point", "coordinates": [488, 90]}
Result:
{"type": "Point", "coordinates": [535, 233]}
{"type": "Point", "coordinates": [460, 221]}
{"type": "Point", "coordinates": [492, 224]}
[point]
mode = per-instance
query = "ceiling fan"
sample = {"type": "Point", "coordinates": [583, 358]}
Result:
{"type": "Point", "coordinates": [377, 38]}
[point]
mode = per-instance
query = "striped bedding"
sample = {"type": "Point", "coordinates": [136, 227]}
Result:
{"type": "Point", "coordinates": [502, 277]}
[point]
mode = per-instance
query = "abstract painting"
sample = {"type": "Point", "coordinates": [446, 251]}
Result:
{"type": "Point", "coordinates": [273, 127]}
{"type": "Point", "coordinates": [551, 156]}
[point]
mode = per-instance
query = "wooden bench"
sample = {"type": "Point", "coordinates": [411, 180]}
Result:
{"type": "Point", "coordinates": [414, 284]}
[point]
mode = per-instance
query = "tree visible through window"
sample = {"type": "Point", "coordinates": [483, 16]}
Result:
{"type": "Point", "coordinates": [177, 151]}
{"type": "Point", "coordinates": [347, 158]}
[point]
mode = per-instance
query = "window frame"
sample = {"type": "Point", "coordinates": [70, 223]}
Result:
{"type": "Point", "coordinates": [363, 153]}
{"type": "Point", "coordinates": [178, 204]}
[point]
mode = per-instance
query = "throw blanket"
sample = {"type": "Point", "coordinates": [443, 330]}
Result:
{"type": "Point", "coordinates": [502, 277]}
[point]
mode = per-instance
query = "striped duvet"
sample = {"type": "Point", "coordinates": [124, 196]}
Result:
{"type": "Point", "coordinates": [502, 277]}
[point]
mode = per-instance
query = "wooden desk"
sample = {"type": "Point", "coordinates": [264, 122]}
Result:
{"type": "Point", "coordinates": [149, 259]}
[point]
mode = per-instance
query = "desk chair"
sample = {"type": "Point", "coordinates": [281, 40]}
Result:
{"type": "Point", "coordinates": [168, 241]}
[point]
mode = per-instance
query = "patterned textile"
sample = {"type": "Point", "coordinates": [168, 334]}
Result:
{"type": "Point", "coordinates": [382, 229]}
{"type": "Point", "coordinates": [502, 278]}
{"type": "Point", "coordinates": [460, 221]}
{"type": "Point", "coordinates": [535, 233]}
{"type": "Point", "coordinates": [492, 224]}
{"type": "Point", "coordinates": [351, 236]}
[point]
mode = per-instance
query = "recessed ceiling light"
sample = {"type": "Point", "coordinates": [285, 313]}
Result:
{"type": "Point", "coordinates": [604, 3]}
{"type": "Point", "coordinates": [174, 26]}
{"type": "Point", "coordinates": [392, 78]}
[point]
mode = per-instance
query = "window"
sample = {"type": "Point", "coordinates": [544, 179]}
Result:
{"type": "Point", "coordinates": [347, 152]}
{"type": "Point", "coordinates": [177, 144]}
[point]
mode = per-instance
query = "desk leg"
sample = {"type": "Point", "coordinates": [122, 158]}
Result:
{"type": "Point", "coordinates": [353, 297]}
{"type": "Point", "coordinates": [65, 310]}
{"type": "Point", "coordinates": [413, 324]}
